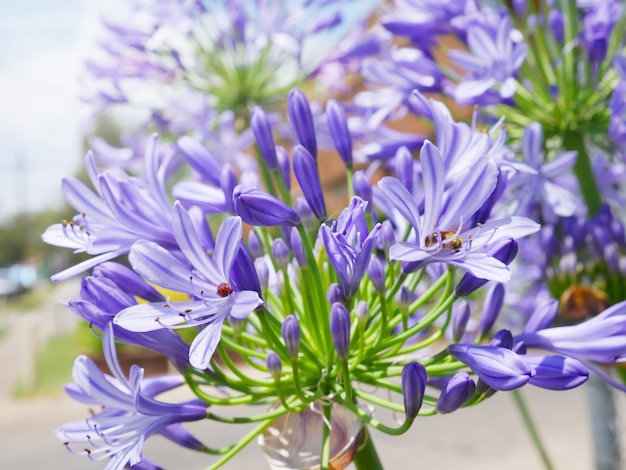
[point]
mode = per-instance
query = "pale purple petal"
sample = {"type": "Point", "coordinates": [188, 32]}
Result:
{"type": "Point", "coordinates": [245, 303]}
{"type": "Point", "coordinates": [159, 267]}
{"type": "Point", "coordinates": [400, 198]}
{"type": "Point", "coordinates": [204, 345]}
{"type": "Point", "coordinates": [227, 244]}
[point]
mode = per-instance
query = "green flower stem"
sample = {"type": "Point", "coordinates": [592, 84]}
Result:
{"type": "Point", "coordinates": [256, 340]}
{"type": "Point", "coordinates": [366, 457]}
{"type": "Point", "coordinates": [247, 419]}
{"type": "Point", "coordinates": [350, 179]}
{"type": "Point", "coordinates": [236, 369]}
{"type": "Point", "coordinates": [364, 416]}
{"type": "Point", "coordinates": [532, 429]}
{"type": "Point", "coordinates": [265, 173]}
{"type": "Point", "coordinates": [268, 331]}
{"type": "Point", "coordinates": [296, 381]}
{"type": "Point", "coordinates": [345, 376]}
{"type": "Point", "coordinates": [432, 290]}
{"type": "Point", "coordinates": [417, 346]}
{"type": "Point", "coordinates": [241, 444]}
{"type": "Point", "coordinates": [378, 401]}
{"type": "Point", "coordinates": [319, 297]}
{"type": "Point", "coordinates": [240, 349]}
{"type": "Point", "coordinates": [241, 400]}
{"type": "Point", "coordinates": [575, 140]}
{"type": "Point", "coordinates": [284, 193]}
{"type": "Point", "coordinates": [325, 451]}
{"type": "Point", "coordinates": [424, 323]}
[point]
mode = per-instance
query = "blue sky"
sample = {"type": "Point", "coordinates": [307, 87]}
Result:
{"type": "Point", "coordinates": [44, 43]}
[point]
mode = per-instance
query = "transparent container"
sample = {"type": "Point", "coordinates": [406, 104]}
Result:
{"type": "Point", "coordinates": [294, 440]}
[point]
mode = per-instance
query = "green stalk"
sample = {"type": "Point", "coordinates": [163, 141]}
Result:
{"type": "Point", "coordinates": [532, 429]}
{"type": "Point", "coordinates": [241, 444]}
{"type": "Point", "coordinates": [574, 140]}
{"type": "Point", "coordinates": [366, 457]}
{"type": "Point", "coordinates": [325, 452]}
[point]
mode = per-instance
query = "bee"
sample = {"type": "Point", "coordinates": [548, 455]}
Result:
{"type": "Point", "coordinates": [453, 242]}
{"type": "Point", "coordinates": [580, 302]}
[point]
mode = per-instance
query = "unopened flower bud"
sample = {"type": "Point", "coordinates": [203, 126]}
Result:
{"type": "Point", "coordinates": [491, 309]}
{"type": "Point", "coordinates": [404, 300]}
{"type": "Point", "coordinates": [274, 365]}
{"type": "Point", "coordinates": [338, 126]}
{"type": "Point", "coordinates": [387, 236]}
{"type": "Point", "coordinates": [284, 167]}
{"type": "Point", "coordinates": [263, 134]}
{"type": "Point", "coordinates": [305, 169]}
{"type": "Point", "coordinates": [405, 168]}
{"type": "Point", "coordinates": [305, 213]}
{"type": "Point", "coordinates": [291, 335]}
{"type": "Point", "coordinates": [556, 372]}
{"type": "Point", "coordinates": [500, 368]}
{"type": "Point", "coordinates": [256, 207]}
{"type": "Point", "coordinates": [262, 272]}
{"type": "Point", "coordinates": [362, 312]}
{"type": "Point", "coordinates": [301, 119]}
{"type": "Point", "coordinates": [455, 393]}
{"type": "Point", "coordinates": [340, 329]}
{"type": "Point", "coordinates": [543, 316]}
{"type": "Point", "coordinates": [376, 272]}
{"type": "Point", "coordinates": [228, 182]}
{"type": "Point", "coordinates": [298, 248]}
{"type": "Point", "coordinates": [413, 388]}
{"type": "Point", "coordinates": [363, 188]}
{"type": "Point", "coordinates": [460, 317]}
{"type": "Point", "coordinates": [502, 339]}
{"type": "Point", "coordinates": [281, 253]}
{"type": "Point", "coordinates": [254, 244]}
{"type": "Point", "coordinates": [334, 293]}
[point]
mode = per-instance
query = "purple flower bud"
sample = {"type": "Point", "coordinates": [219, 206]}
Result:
{"type": "Point", "coordinates": [254, 244]}
{"type": "Point", "coordinates": [520, 7]}
{"type": "Point", "coordinates": [340, 329]}
{"type": "Point", "coordinates": [404, 300]}
{"type": "Point", "coordinates": [456, 392]}
{"type": "Point", "coordinates": [543, 316]}
{"type": "Point", "coordinates": [503, 250]}
{"type": "Point", "coordinates": [460, 317]}
{"type": "Point", "coordinates": [263, 135]}
{"type": "Point", "coordinates": [491, 309]}
{"type": "Point", "coordinates": [363, 188]}
{"type": "Point", "coordinates": [281, 253]}
{"type": "Point", "coordinates": [334, 293]}
{"type": "Point", "coordinates": [338, 126]}
{"type": "Point", "coordinates": [305, 169]}
{"type": "Point", "coordinates": [556, 372]}
{"type": "Point", "coordinates": [228, 181]}
{"type": "Point", "coordinates": [500, 368]}
{"type": "Point", "coordinates": [387, 236]}
{"type": "Point", "coordinates": [291, 335]}
{"type": "Point", "coordinates": [611, 257]}
{"type": "Point", "coordinates": [362, 312]}
{"type": "Point", "coordinates": [256, 207]}
{"type": "Point", "coordinates": [301, 119]}
{"type": "Point", "coordinates": [284, 166]}
{"type": "Point", "coordinates": [298, 248]}
{"type": "Point", "coordinates": [274, 365]}
{"type": "Point", "coordinates": [405, 167]}
{"type": "Point", "coordinates": [413, 387]}
{"type": "Point", "coordinates": [306, 214]}
{"type": "Point", "coordinates": [376, 272]}
{"type": "Point", "coordinates": [262, 272]}
{"type": "Point", "coordinates": [502, 339]}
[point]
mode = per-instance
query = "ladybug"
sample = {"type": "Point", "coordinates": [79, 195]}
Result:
{"type": "Point", "coordinates": [224, 290]}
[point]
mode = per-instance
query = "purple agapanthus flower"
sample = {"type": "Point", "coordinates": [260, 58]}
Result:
{"type": "Point", "coordinates": [207, 279]}
{"type": "Point", "coordinates": [124, 209]}
{"type": "Point", "coordinates": [599, 339]}
{"type": "Point", "coordinates": [491, 63]}
{"type": "Point", "coordinates": [130, 413]}
{"type": "Point", "coordinates": [349, 245]}
{"type": "Point", "coordinates": [440, 233]}
{"type": "Point", "coordinates": [548, 188]}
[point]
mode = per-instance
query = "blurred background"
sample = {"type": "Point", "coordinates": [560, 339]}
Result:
{"type": "Point", "coordinates": [44, 46]}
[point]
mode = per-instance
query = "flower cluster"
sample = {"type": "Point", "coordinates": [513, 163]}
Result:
{"type": "Point", "coordinates": [259, 293]}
